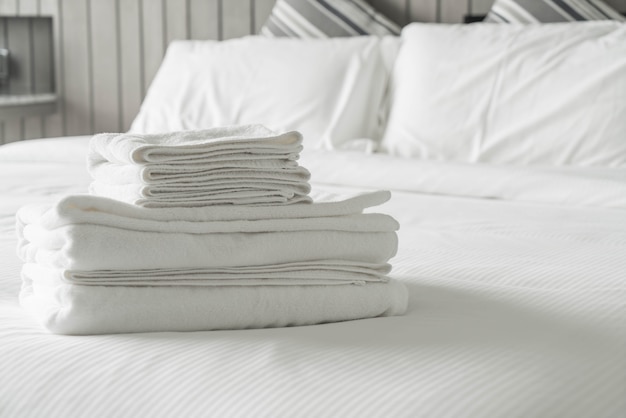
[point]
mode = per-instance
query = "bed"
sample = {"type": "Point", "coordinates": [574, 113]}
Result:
{"type": "Point", "coordinates": [515, 276]}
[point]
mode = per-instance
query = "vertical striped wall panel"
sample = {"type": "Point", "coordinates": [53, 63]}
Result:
{"type": "Point", "coordinates": [52, 125]}
{"type": "Point", "coordinates": [130, 61]}
{"type": "Point", "coordinates": [203, 19]}
{"type": "Point", "coordinates": [107, 51]}
{"type": "Point", "coordinates": [77, 59]}
{"type": "Point", "coordinates": [9, 131]}
{"type": "Point", "coordinates": [105, 77]}
{"type": "Point", "coordinates": [236, 18]}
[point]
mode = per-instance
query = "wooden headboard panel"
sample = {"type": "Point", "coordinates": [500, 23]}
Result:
{"type": "Point", "coordinates": [107, 51]}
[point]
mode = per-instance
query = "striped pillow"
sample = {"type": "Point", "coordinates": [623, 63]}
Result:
{"type": "Point", "coordinates": [546, 11]}
{"type": "Point", "coordinates": [325, 19]}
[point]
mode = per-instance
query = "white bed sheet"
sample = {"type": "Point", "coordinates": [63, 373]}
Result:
{"type": "Point", "coordinates": [516, 310]}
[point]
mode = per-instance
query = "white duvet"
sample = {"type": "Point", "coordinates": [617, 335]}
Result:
{"type": "Point", "coordinates": [517, 309]}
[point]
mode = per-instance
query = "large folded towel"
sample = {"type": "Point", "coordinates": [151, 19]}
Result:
{"type": "Point", "coordinates": [75, 309]}
{"type": "Point", "coordinates": [241, 165]}
{"type": "Point", "coordinates": [94, 247]}
{"type": "Point", "coordinates": [86, 209]}
{"type": "Point", "coordinates": [95, 265]}
{"type": "Point", "coordinates": [89, 233]}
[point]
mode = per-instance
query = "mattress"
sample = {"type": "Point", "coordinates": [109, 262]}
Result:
{"type": "Point", "coordinates": [517, 301]}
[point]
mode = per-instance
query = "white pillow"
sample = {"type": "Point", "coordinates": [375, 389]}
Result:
{"type": "Point", "coordinates": [328, 89]}
{"type": "Point", "coordinates": [552, 94]}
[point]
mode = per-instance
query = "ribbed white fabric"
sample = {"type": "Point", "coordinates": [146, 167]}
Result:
{"type": "Point", "coordinates": [516, 310]}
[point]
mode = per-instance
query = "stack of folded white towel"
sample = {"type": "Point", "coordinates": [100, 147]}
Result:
{"type": "Point", "coordinates": [243, 165]}
{"type": "Point", "coordinates": [98, 265]}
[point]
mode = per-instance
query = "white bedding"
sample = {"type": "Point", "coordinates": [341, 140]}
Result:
{"type": "Point", "coordinates": [517, 290]}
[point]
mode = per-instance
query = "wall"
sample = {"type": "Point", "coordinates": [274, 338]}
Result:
{"type": "Point", "coordinates": [107, 51]}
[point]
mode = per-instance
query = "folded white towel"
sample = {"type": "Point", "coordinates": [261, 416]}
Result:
{"type": "Point", "coordinates": [241, 165]}
{"type": "Point", "coordinates": [223, 192]}
{"type": "Point", "coordinates": [238, 199]}
{"type": "Point", "coordinates": [76, 309]}
{"type": "Point", "coordinates": [218, 187]}
{"type": "Point", "coordinates": [86, 209]}
{"type": "Point", "coordinates": [96, 247]}
{"type": "Point", "coordinates": [319, 272]}
{"type": "Point", "coordinates": [243, 142]}
{"type": "Point", "coordinates": [202, 174]}
{"type": "Point", "coordinates": [95, 265]}
{"type": "Point", "coordinates": [153, 172]}
{"type": "Point", "coordinates": [122, 240]}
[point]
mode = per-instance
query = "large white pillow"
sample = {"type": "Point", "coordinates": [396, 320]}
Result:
{"type": "Point", "coordinates": [328, 89]}
{"type": "Point", "coordinates": [552, 94]}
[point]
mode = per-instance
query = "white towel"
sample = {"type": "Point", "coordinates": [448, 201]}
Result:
{"type": "Point", "coordinates": [227, 192]}
{"type": "Point", "coordinates": [85, 209]}
{"type": "Point", "coordinates": [199, 174]}
{"type": "Point", "coordinates": [212, 188]}
{"type": "Point", "coordinates": [319, 272]}
{"type": "Point", "coordinates": [242, 165]}
{"type": "Point", "coordinates": [116, 241]}
{"type": "Point", "coordinates": [236, 199]}
{"type": "Point", "coordinates": [96, 247]}
{"type": "Point", "coordinates": [97, 266]}
{"type": "Point", "coordinates": [245, 142]}
{"type": "Point", "coordinates": [76, 309]}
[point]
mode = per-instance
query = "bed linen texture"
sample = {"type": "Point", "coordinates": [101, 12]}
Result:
{"type": "Point", "coordinates": [516, 308]}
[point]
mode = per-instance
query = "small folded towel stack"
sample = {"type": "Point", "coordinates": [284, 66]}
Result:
{"type": "Point", "coordinates": [96, 265]}
{"type": "Point", "coordinates": [243, 165]}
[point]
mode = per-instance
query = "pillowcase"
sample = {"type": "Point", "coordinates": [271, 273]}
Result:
{"type": "Point", "coordinates": [547, 11]}
{"type": "Point", "coordinates": [552, 94]}
{"type": "Point", "coordinates": [326, 18]}
{"type": "Point", "coordinates": [328, 89]}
